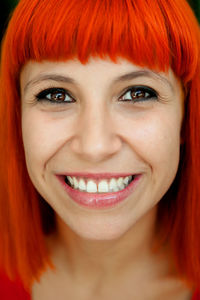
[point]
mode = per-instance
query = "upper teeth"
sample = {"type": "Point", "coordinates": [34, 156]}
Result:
{"type": "Point", "coordinates": [103, 186]}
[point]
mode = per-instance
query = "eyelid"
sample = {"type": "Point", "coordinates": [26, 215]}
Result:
{"type": "Point", "coordinates": [41, 96]}
{"type": "Point", "coordinates": [142, 87]}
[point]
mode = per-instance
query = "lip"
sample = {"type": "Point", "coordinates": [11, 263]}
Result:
{"type": "Point", "coordinates": [99, 200]}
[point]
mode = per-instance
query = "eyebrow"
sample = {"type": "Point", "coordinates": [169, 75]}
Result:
{"type": "Point", "coordinates": [47, 77]}
{"type": "Point", "coordinates": [125, 77]}
{"type": "Point", "coordinates": [145, 73]}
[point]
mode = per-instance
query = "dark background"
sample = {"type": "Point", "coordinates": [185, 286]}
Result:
{"type": "Point", "coordinates": [7, 6]}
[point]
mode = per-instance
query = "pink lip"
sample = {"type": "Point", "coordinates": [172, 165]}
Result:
{"type": "Point", "coordinates": [98, 200]}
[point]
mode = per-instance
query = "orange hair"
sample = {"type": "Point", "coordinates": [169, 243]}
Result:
{"type": "Point", "coordinates": [155, 33]}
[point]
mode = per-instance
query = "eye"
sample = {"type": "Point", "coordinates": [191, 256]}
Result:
{"type": "Point", "coordinates": [139, 94]}
{"type": "Point", "coordinates": [55, 95]}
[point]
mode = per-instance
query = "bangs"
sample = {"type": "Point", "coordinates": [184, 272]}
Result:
{"type": "Point", "coordinates": [148, 33]}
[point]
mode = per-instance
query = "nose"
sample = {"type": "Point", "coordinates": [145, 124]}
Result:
{"type": "Point", "coordinates": [96, 138]}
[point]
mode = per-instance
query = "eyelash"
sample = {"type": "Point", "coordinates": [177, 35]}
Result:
{"type": "Point", "coordinates": [140, 90]}
{"type": "Point", "coordinates": [144, 91]}
{"type": "Point", "coordinates": [42, 96]}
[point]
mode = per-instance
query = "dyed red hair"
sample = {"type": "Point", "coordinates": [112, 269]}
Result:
{"type": "Point", "coordinates": [157, 34]}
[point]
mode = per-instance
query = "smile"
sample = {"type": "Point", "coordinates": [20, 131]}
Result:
{"type": "Point", "coordinates": [91, 185]}
{"type": "Point", "coordinates": [99, 191]}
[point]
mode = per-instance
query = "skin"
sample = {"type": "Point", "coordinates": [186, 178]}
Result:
{"type": "Point", "coordinates": [100, 133]}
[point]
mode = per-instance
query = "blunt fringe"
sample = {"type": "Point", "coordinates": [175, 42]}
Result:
{"type": "Point", "coordinates": [158, 34]}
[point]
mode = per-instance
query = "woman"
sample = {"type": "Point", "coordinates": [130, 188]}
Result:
{"type": "Point", "coordinates": [100, 150]}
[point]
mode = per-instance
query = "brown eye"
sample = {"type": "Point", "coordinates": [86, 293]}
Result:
{"type": "Point", "coordinates": [139, 93]}
{"type": "Point", "coordinates": [59, 96]}
{"type": "Point", "coordinates": [55, 95]}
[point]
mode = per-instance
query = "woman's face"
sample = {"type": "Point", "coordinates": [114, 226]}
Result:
{"type": "Point", "coordinates": [100, 124]}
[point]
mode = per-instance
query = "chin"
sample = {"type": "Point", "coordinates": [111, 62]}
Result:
{"type": "Point", "coordinates": [97, 229]}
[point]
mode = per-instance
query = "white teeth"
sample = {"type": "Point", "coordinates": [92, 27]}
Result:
{"type": "Point", "coordinates": [82, 185]}
{"type": "Point", "coordinates": [126, 179]}
{"type": "Point", "coordinates": [75, 182]}
{"type": "Point", "coordinates": [104, 186]}
{"type": "Point", "coordinates": [120, 183]}
{"type": "Point", "coordinates": [113, 185]}
{"type": "Point", "coordinates": [91, 187]}
{"type": "Point", "coordinates": [70, 180]}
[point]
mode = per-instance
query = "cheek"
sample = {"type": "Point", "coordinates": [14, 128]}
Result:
{"type": "Point", "coordinates": [155, 140]}
{"type": "Point", "coordinates": [42, 137]}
